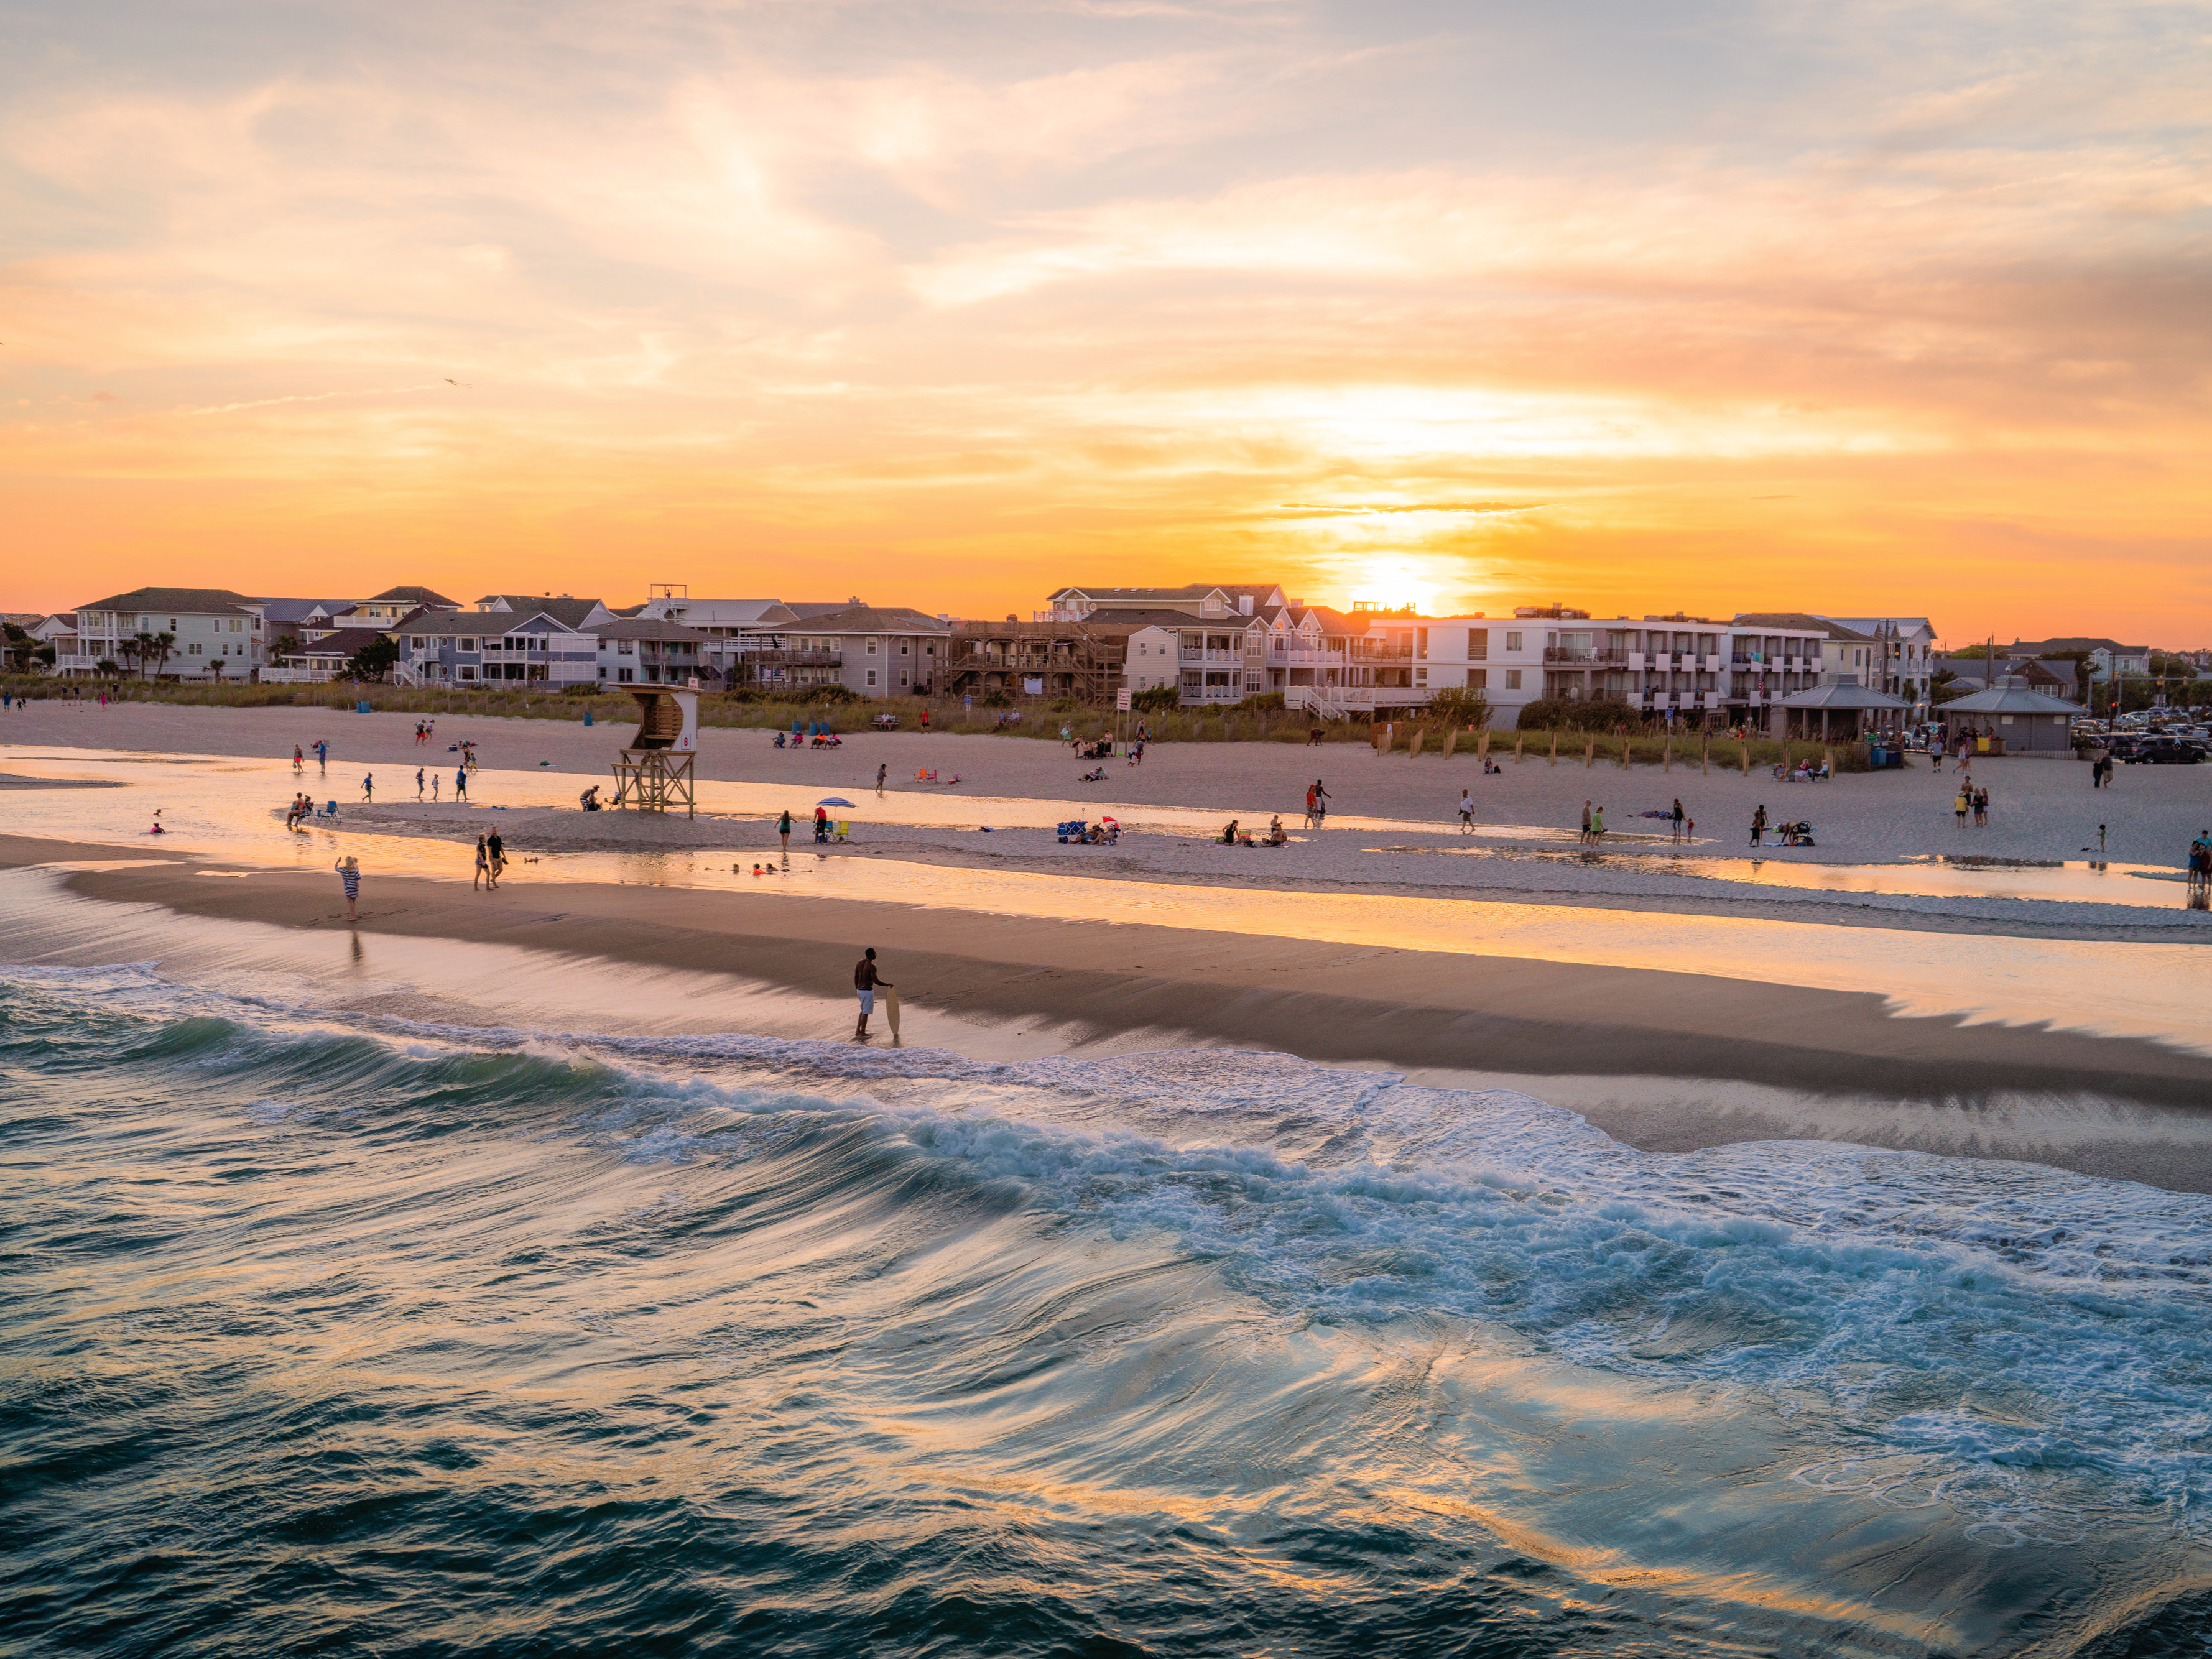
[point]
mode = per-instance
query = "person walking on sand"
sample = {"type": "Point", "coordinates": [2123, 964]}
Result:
{"type": "Point", "coordinates": [1466, 813]}
{"type": "Point", "coordinates": [1678, 818]}
{"type": "Point", "coordinates": [883, 771]}
{"type": "Point", "coordinates": [1759, 825]}
{"type": "Point", "coordinates": [436, 778]}
{"type": "Point", "coordinates": [1312, 801]}
{"type": "Point", "coordinates": [418, 783]}
{"type": "Point", "coordinates": [783, 830]}
{"type": "Point", "coordinates": [1958, 808]}
{"type": "Point", "coordinates": [865, 981]}
{"type": "Point", "coordinates": [484, 865]}
{"type": "Point", "coordinates": [1320, 805]}
{"type": "Point", "coordinates": [349, 869]}
{"type": "Point", "coordinates": [461, 783]}
{"type": "Point", "coordinates": [497, 851]}
{"type": "Point", "coordinates": [1597, 826]}
{"type": "Point", "coordinates": [1585, 837]}
{"type": "Point", "coordinates": [369, 787]}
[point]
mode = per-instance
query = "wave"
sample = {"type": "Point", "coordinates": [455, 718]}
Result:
{"type": "Point", "coordinates": [2006, 1358]}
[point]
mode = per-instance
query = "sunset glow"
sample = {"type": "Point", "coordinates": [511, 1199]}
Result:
{"type": "Point", "coordinates": [1706, 306]}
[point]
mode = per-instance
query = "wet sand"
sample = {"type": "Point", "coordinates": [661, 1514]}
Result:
{"type": "Point", "coordinates": [1656, 1035]}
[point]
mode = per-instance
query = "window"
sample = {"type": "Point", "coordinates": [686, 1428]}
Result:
{"type": "Point", "coordinates": [417, 642]}
{"type": "Point", "coordinates": [903, 647]}
{"type": "Point", "coordinates": [1477, 645]}
{"type": "Point", "coordinates": [468, 644]}
{"type": "Point", "coordinates": [871, 676]}
{"type": "Point", "coordinates": [468, 671]}
{"type": "Point", "coordinates": [1512, 643]}
{"type": "Point", "coordinates": [872, 652]}
{"type": "Point", "coordinates": [1512, 679]}
{"type": "Point", "coordinates": [1420, 677]}
{"type": "Point", "coordinates": [193, 648]}
{"type": "Point", "coordinates": [1478, 678]}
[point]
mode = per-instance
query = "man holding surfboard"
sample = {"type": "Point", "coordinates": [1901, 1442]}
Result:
{"type": "Point", "coordinates": [865, 981]}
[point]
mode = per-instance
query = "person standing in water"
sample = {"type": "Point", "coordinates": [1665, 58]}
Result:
{"type": "Point", "coordinates": [865, 981]}
{"type": "Point", "coordinates": [1759, 825]}
{"type": "Point", "coordinates": [349, 869]}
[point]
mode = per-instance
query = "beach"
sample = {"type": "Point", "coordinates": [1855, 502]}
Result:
{"type": "Point", "coordinates": [1683, 1248]}
{"type": "Point", "coordinates": [1630, 975]}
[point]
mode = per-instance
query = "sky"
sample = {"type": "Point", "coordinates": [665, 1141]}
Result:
{"type": "Point", "coordinates": [1718, 304]}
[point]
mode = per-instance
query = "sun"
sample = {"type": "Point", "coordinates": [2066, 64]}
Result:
{"type": "Point", "coordinates": [1390, 582]}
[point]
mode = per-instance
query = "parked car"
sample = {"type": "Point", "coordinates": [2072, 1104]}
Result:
{"type": "Point", "coordinates": [2165, 751]}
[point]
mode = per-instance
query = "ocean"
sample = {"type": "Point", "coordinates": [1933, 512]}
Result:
{"type": "Point", "coordinates": [333, 1331]}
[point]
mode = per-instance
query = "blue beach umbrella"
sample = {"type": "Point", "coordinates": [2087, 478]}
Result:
{"type": "Point", "coordinates": [833, 801]}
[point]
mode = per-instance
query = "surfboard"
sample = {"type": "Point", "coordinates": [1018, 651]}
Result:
{"type": "Point", "coordinates": [890, 1009]}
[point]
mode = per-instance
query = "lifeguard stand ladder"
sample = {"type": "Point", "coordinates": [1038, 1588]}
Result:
{"type": "Point", "coordinates": [654, 770]}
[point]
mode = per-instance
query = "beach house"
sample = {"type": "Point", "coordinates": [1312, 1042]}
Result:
{"type": "Point", "coordinates": [168, 633]}
{"type": "Point", "coordinates": [507, 638]}
{"type": "Point", "coordinates": [1662, 668]}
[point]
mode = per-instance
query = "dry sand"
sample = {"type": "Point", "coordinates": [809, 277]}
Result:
{"type": "Point", "coordinates": [2042, 809]}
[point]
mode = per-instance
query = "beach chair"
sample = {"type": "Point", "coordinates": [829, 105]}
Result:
{"type": "Point", "coordinates": [926, 774]}
{"type": "Point", "coordinates": [841, 829]}
{"type": "Point", "coordinates": [1072, 829]}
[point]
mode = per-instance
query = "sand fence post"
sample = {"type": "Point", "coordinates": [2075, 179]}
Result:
{"type": "Point", "coordinates": [1451, 740]}
{"type": "Point", "coordinates": [1589, 754]}
{"type": "Point", "coordinates": [1414, 747]}
{"type": "Point", "coordinates": [1746, 757]}
{"type": "Point", "coordinates": [1705, 754]}
{"type": "Point", "coordinates": [1667, 753]}
{"type": "Point", "coordinates": [1482, 744]}
{"type": "Point", "coordinates": [1518, 738]}
{"type": "Point", "coordinates": [1555, 748]}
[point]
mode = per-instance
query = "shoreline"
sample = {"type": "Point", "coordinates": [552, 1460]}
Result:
{"type": "Point", "coordinates": [1465, 1016]}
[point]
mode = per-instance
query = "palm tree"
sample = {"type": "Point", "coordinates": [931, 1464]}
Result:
{"type": "Point", "coordinates": [157, 646]}
{"type": "Point", "coordinates": [140, 647]}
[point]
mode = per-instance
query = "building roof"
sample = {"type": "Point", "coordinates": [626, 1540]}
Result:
{"type": "Point", "coordinates": [2045, 648]}
{"type": "Point", "coordinates": [1844, 697]}
{"type": "Point", "coordinates": [442, 622]}
{"type": "Point", "coordinates": [565, 608]}
{"type": "Point", "coordinates": [645, 628]}
{"type": "Point", "coordinates": [722, 613]}
{"type": "Point", "coordinates": [1802, 621]}
{"type": "Point", "coordinates": [2007, 700]}
{"type": "Point", "coordinates": [807, 610]}
{"type": "Point", "coordinates": [874, 619]}
{"type": "Point", "coordinates": [194, 601]}
{"type": "Point", "coordinates": [1867, 625]}
{"type": "Point", "coordinates": [428, 596]}
{"type": "Point", "coordinates": [298, 610]}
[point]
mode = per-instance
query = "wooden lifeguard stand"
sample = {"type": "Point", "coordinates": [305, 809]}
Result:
{"type": "Point", "coordinates": [653, 771]}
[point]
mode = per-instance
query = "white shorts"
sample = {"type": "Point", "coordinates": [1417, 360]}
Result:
{"type": "Point", "coordinates": [868, 1002]}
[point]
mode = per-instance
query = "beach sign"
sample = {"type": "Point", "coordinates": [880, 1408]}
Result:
{"type": "Point", "coordinates": [1122, 700]}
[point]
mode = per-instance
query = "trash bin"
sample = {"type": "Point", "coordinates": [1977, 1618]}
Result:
{"type": "Point", "coordinates": [361, 707]}
{"type": "Point", "coordinates": [588, 717]}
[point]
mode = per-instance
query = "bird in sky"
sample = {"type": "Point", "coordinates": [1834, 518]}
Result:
{"type": "Point", "coordinates": [450, 380]}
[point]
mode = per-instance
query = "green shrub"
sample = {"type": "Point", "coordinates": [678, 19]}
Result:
{"type": "Point", "coordinates": [997, 697]}
{"type": "Point", "coordinates": [1159, 700]}
{"type": "Point", "coordinates": [1578, 714]}
{"type": "Point", "coordinates": [828, 694]}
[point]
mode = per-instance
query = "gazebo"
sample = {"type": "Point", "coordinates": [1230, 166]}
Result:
{"type": "Point", "coordinates": [1845, 712]}
{"type": "Point", "coordinates": [2027, 722]}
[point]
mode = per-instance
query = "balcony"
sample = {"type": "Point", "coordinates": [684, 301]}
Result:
{"type": "Point", "coordinates": [1579, 657]}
